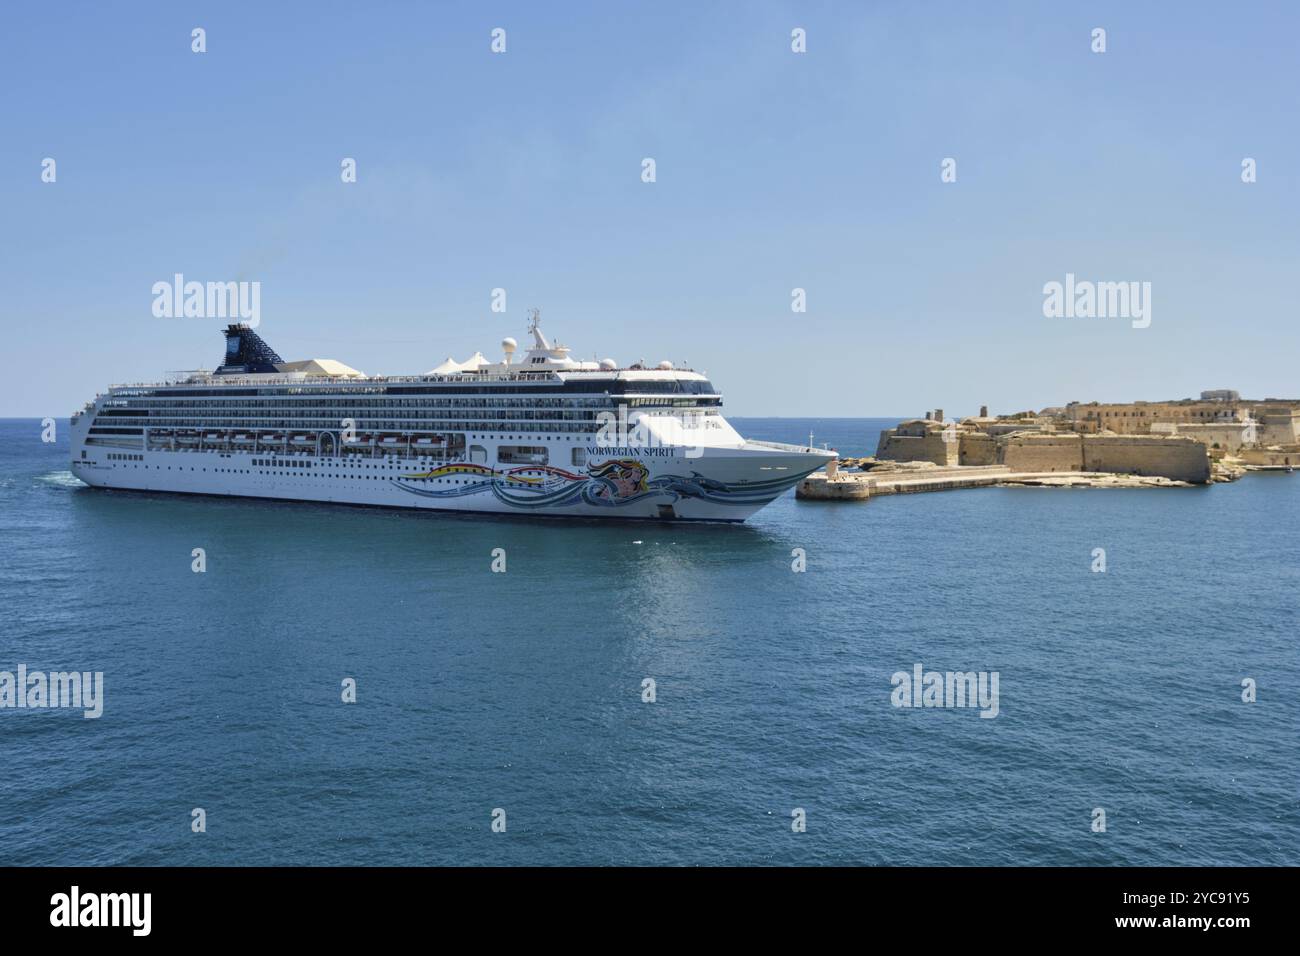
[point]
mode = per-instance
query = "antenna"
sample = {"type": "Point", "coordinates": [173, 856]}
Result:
{"type": "Point", "coordinates": [534, 326]}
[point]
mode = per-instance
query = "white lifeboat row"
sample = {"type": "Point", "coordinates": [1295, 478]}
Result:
{"type": "Point", "coordinates": [192, 436]}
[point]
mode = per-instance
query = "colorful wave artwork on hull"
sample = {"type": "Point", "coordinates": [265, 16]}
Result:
{"type": "Point", "coordinates": [613, 483]}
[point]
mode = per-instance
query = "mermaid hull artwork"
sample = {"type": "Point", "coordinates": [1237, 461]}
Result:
{"type": "Point", "coordinates": [705, 487]}
{"type": "Point", "coordinates": [627, 487]}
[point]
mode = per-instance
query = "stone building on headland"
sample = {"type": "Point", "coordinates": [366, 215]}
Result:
{"type": "Point", "coordinates": [1277, 420]}
{"type": "Point", "coordinates": [1174, 440]}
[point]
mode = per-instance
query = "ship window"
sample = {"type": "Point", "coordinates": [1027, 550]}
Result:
{"type": "Point", "coordinates": [522, 454]}
{"type": "Point", "coordinates": [579, 456]}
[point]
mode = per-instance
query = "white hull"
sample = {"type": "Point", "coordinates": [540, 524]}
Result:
{"type": "Point", "coordinates": [721, 484]}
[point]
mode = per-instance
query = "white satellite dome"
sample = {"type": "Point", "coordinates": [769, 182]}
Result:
{"type": "Point", "coordinates": [608, 364]}
{"type": "Point", "coordinates": [665, 364]}
{"type": "Point", "coordinates": [509, 344]}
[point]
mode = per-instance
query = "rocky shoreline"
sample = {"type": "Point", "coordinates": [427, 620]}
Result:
{"type": "Point", "coordinates": [856, 479]}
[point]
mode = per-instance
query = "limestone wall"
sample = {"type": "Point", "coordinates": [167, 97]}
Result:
{"type": "Point", "coordinates": [1183, 459]}
{"type": "Point", "coordinates": [931, 447]}
{"type": "Point", "coordinates": [977, 448]}
{"type": "Point", "coordinates": [1283, 456]}
{"type": "Point", "coordinates": [1278, 428]}
{"type": "Point", "coordinates": [1176, 457]}
{"type": "Point", "coordinates": [1041, 452]}
{"type": "Point", "coordinates": [1227, 435]}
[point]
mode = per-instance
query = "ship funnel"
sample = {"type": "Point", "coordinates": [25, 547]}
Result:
{"type": "Point", "coordinates": [246, 352]}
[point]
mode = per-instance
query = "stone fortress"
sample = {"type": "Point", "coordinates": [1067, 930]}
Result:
{"type": "Point", "coordinates": [1187, 440]}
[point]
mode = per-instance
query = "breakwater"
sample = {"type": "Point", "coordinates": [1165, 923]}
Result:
{"type": "Point", "coordinates": [860, 485]}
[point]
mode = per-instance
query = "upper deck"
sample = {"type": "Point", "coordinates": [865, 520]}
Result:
{"type": "Point", "coordinates": [617, 381]}
{"type": "Point", "coordinates": [546, 391]}
{"type": "Point", "coordinates": [251, 364]}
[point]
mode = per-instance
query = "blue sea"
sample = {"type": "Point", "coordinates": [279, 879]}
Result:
{"type": "Point", "coordinates": [523, 691]}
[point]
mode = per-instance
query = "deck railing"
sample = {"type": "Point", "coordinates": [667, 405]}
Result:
{"type": "Point", "coordinates": [785, 446]}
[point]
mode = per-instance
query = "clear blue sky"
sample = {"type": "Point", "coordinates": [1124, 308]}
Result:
{"type": "Point", "coordinates": [775, 171]}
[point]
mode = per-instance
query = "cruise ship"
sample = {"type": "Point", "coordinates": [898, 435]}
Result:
{"type": "Point", "coordinates": [541, 434]}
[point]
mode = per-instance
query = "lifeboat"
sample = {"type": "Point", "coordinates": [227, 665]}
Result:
{"type": "Point", "coordinates": [160, 434]}
{"type": "Point", "coordinates": [214, 436]}
{"type": "Point", "coordinates": [187, 437]}
{"type": "Point", "coordinates": [302, 438]}
{"type": "Point", "coordinates": [244, 438]}
{"type": "Point", "coordinates": [360, 440]}
{"type": "Point", "coordinates": [271, 439]}
{"type": "Point", "coordinates": [392, 441]}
